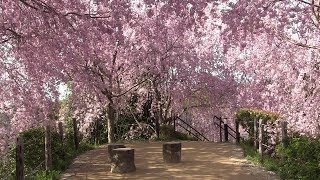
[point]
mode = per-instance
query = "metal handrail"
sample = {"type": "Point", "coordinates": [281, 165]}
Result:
{"type": "Point", "coordinates": [220, 120]}
{"type": "Point", "coordinates": [192, 128]}
{"type": "Point", "coordinates": [196, 136]}
{"type": "Point", "coordinates": [231, 129]}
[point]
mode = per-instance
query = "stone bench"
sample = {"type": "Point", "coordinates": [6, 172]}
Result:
{"type": "Point", "coordinates": [171, 152]}
{"type": "Point", "coordinates": [110, 147]}
{"type": "Point", "coordinates": [122, 160]}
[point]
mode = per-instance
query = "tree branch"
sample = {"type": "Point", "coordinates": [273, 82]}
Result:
{"type": "Point", "coordinates": [28, 5]}
{"type": "Point", "coordinates": [125, 92]}
{"type": "Point", "coordinates": [302, 44]}
{"type": "Point", "coordinates": [311, 4]}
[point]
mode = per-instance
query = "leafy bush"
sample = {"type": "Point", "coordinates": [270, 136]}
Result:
{"type": "Point", "coordinates": [301, 159]}
{"type": "Point", "coordinates": [7, 166]}
{"type": "Point", "coordinates": [247, 116]}
{"type": "Point", "coordinates": [271, 164]}
{"type": "Point", "coordinates": [246, 119]}
{"type": "Point", "coordinates": [34, 155]}
{"type": "Point", "coordinates": [34, 150]}
{"type": "Point", "coordinates": [45, 175]}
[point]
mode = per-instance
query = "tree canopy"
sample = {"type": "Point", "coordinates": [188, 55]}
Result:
{"type": "Point", "coordinates": [196, 53]}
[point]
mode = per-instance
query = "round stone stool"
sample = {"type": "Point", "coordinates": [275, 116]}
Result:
{"type": "Point", "coordinates": [122, 160]}
{"type": "Point", "coordinates": [171, 152]}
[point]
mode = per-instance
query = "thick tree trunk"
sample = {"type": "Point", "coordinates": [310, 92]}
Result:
{"type": "Point", "coordinates": [111, 115]}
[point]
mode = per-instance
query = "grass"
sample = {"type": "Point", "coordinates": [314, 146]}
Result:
{"type": "Point", "coordinates": [251, 154]}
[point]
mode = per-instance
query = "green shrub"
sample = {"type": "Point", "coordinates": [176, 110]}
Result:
{"type": "Point", "coordinates": [301, 159]}
{"type": "Point", "coordinates": [7, 167]}
{"type": "Point", "coordinates": [34, 150]}
{"type": "Point", "coordinates": [250, 153]}
{"type": "Point", "coordinates": [47, 175]}
{"type": "Point", "coordinates": [34, 155]}
{"type": "Point", "coordinates": [246, 117]}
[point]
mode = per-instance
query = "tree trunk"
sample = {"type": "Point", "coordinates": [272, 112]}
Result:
{"type": "Point", "coordinates": [284, 134]}
{"type": "Point", "coordinates": [75, 134]}
{"type": "Point", "coordinates": [48, 154]}
{"type": "Point", "coordinates": [159, 117]}
{"type": "Point", "coordinates": [19, 159]}
{"type": "Point", "coordinates": [111, 115]}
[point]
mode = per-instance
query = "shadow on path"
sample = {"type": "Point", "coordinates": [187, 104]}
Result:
{"type": "Point", "coordinates": [200, 160]}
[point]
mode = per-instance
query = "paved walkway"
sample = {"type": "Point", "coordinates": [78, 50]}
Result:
{"type": "Point", "coordinates": [200, 160]}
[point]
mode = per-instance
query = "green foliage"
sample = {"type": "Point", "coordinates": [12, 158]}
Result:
{"type": "Point", "coordinates": [167, 133]}
{"type": "Point", "coordinates": [301, 159]}
{"type": "Point", "coordinates": [34, 149]}
{"type": "Point", "coordinates": [123, 125]}
{"type": "Point", "coordinates": [271, 164]}
{"type": "Point", "coordinates": [34, 155]}
{"type": "Point", "coordinates": [250, 114]}
{"type": "Point", "coordinates": [47, 175]}
{"type": "Point", "coordinates": [98, 131]}
{"type": "Point", "coordinates": [7, 166]}
{"type": "Point", "coordinates": [246, 118]}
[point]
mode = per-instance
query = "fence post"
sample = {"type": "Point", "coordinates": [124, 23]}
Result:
{"type": "Point", "coordinates": [255, 132]}
{"type": "Point", "coordinates": [225, 132]}
{"type": "Point", "coordinates": [261, 134]}
{"type": "Point", "coordinates": [19, 159]}
{"type": "Point", "coordinates": [75, 133]}
{"type": "Point", "coordinates": [174, 124]}
{"type": "Point", "coordinates": [220, 128]}
{"type": "Point", "coordinates": [284, 134]}
{"type": "Point", "coordinates": [237, 132]}
{"type": "Point", "coordinates": [47, 142]}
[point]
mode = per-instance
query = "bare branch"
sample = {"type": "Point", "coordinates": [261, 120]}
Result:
{"type": "Point", "coordinates": [305, 45]}
{"type": "Point", "coordinates": [6, 40]}
{"type": "Point", "coordinates": [311, 4]}
{"type": "Point", "coordinates": [87, 15]}
{"type": "Point", "coordinates": [28, 5]}
{"type": "Point", "coordinates": [135, 86]}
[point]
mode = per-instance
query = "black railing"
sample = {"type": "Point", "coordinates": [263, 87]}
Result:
{"type": "Point", "coordinates": [223, 127]}
{"type": "Point", "coordinates": [226, 129]}
{"type": "Point", "coordinates": [190, 129]}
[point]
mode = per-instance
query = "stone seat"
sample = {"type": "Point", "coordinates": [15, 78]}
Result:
{"type": "Point", "coordinates": [171, 152]}
{"type": "Point", "coordinates": [122, 160]}
{"type": "Point", "coordinates": [110, 147]}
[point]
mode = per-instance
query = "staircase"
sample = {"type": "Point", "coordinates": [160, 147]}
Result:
{"type": "Point", "coordinates": [190, 129]}
{"type": "Point", "coordinates": [225, 131]}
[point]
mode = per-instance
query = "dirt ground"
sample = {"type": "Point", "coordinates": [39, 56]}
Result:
{"type": "Point", "coordinates": [199, 160]}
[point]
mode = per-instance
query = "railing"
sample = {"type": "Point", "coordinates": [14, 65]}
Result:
{"type": "Point", "coordinates": [226, 129]}
{"type": "Point", "coordinates": [187, 127]}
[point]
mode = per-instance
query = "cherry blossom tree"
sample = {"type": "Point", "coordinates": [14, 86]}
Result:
{"type": "Point", "coordinates": [273, 46]}
{"type": "Point", "coordinates": [104, 49]}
